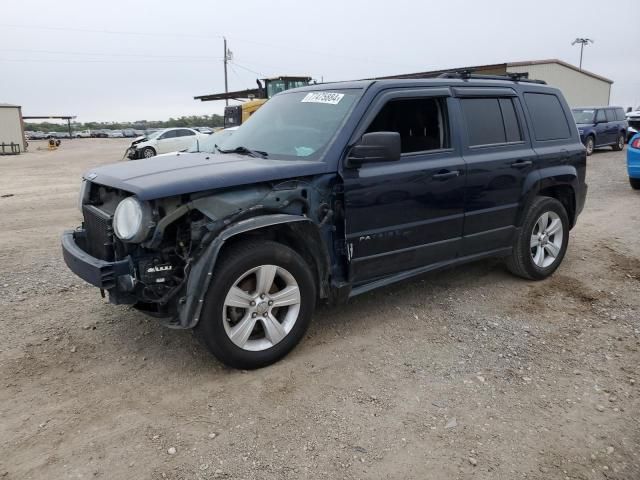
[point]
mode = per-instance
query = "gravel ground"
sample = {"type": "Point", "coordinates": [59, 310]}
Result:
{"type": "Point", "coordinates": [468, 373]}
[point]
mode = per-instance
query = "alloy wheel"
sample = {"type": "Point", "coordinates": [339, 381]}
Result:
{"type": "Point", "coordinates": [261, 307]}
{"type": "Point", "coordinates": [546, 239]}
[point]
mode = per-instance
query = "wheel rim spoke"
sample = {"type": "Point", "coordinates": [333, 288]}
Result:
{"type": "Point", "coordinates": [554, 227]}
{"type": "Point", "coordinates": [287, 296]}
{"type": "Point", "coordinates": [539, 257]}
{"type": "Point", "coordinates": [273, 329]}
{"type": "Point", "coordinates": [552, 249]}
{"type": "Point", "coordinates": [534, 241]}
{"type": "Point", "coordinates": [543, 221]}
{"type": "Point", "coordinates": [241, 332]}
{"type": "Point", "coordinates": [238, 298]}
{"type": "Point", "coordinates": [264, 278]}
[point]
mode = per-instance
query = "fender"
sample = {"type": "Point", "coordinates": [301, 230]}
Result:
{"type": "Point", "coordinates": [190, 306]}
{"type": "Point", "coordinates": [538, 180]}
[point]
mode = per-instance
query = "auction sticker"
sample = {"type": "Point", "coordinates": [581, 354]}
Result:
{"type": "Point", "coordinates": [323, 97]}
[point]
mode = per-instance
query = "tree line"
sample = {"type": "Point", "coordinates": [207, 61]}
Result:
{"type": "Point", "coordinates": [190, 121]}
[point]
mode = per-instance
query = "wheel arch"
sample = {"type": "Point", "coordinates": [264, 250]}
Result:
{"type": "Point", "coordinates": [297, 232]}
{"type": "Point", "coordinates": [557, 183]}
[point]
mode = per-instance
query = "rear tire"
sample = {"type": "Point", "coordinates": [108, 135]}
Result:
{"type": "Point", "coordinates": [635, 183]}
{"type": "Point", "coordinates": [235, 298]}
{"type": "Point", "coordinates": [590, 145]}
{"type": "Point", "coordinates": [542, 241]}
{"type": "Point", "coordinates": [619, 143]}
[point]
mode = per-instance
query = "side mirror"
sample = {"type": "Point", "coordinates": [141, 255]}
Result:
{"type": "Point", "coordinates": [375, 147]}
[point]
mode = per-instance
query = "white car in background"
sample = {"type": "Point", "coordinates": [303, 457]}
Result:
{"type": "Point", "coordinates": [163, 141]}
{"type": "Point", "coordinates": [633, 118]}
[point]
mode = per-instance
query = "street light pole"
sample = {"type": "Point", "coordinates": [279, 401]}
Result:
{"type": "Point", "coordinates": [582, 42]}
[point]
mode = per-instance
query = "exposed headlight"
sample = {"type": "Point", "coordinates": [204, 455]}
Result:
{"type": "Point", "coordinates": [132, 220]}
{"type": "Point", "coordinates": [581, 131]}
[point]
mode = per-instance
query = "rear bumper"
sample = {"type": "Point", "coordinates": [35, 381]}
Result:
{"type": "Point", "coordinates": [633, 160]}
{"type": "Point", "coordinates": [99, 273]}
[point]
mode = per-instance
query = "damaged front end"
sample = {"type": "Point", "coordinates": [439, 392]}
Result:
{"type": "Point", "coordinates": [164, 267]}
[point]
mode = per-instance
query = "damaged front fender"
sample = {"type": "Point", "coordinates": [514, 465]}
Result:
{"type": "Point", "coordinates": [190, 306]}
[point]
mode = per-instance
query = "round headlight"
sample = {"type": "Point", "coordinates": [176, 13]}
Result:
{"type": "Point", "coordinates": [131, 220]}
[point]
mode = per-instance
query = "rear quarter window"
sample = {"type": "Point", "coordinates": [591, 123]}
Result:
{"type": "Point", "coordinates": [620, 116]}
{"type": "Point", "coordinates": [547, 116]}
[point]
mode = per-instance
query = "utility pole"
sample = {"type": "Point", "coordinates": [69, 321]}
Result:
{"type": "Point", "coordinates": [582, 42]}
{"type": "Point", "coordinates": [226, 83]}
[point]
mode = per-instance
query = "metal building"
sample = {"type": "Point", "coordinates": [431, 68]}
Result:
{"type": "Point", "coordinates": [12, 140]}
{"type": "Point", "coordinates": [580, 87]}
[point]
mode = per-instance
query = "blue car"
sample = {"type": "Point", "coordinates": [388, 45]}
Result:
{"type": "Point", "coordinates": [633, 162]}
{"type": "Point", "coordinates": [601, 127]}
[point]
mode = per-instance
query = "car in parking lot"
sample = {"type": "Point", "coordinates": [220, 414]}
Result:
{"type": "Point", "coordinates": [328, 192]}
{"type": "Point", "coordinates": [163, 141]}
{"type": "Point", "coordinates": [601, 127]}
{"type": "Point", "coordinates": [633, 119]}
{"type": "Point", "coordinates": [633, 161]}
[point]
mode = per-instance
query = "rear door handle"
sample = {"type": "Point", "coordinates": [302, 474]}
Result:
{"type": "Point", "coordinates": [522, 164]}
{"type": "Point", "coordinates": [446, 175]}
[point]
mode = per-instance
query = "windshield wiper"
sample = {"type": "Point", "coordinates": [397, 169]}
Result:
{"type": "Point", "coordinates": [245, 151]}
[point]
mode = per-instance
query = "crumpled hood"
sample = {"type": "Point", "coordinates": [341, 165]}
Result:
{"type": "Point", "coordinates": [181, 173]}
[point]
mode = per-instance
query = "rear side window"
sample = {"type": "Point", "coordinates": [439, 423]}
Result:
{"type": "Point", "coordinates": [491, 121]}
{"type": "Point", "coordinates": [611, 115]}
{"type": "Point", "coordinates": [601, 116]}
{"type": "Point", "coordinates": [547, 116]}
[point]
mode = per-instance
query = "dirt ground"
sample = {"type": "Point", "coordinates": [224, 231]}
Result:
{"type": "Point", "coordinates": [470, 373]}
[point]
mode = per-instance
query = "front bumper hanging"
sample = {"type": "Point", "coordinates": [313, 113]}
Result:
{"type": "Point", "coordinates": [99, 273]}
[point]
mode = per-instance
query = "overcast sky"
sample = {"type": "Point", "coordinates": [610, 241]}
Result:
{"type": "Point", "coordinates": [137, 59]}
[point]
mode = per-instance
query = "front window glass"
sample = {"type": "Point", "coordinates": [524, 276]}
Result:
{"type": "Point", "coordinates": [583, 115]}
{"type": "Point", "coordinates": [295, 125]}
{"type": "Point", "coordinates": [209, 144]}
{"type": "Point", "coordinates": [421, 123]}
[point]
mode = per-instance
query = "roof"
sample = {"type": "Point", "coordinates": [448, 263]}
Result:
{"type": "Point", "coordinates": [8, 105]}
{"type": "Point", "coordinates": [559, 62]}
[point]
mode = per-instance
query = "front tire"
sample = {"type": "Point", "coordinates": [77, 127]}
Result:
{"type": "Point", "coordinates": [258, 306]}
{"type": "Point", "coordinates": [635, 183]}
{"type": "Point", "coordinates": [590, 145]}
{"type": "Point", "coordinates": [619, 143]}
{"type": "Point", "coordinates": [542, 241]}
{"type": "Point", "coordinates": [148, 152]}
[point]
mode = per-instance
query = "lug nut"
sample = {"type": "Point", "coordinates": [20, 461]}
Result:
{"type": "Point", "coordinates": [270, 302]}
{"type": "Point", "coordinates": [253, 304]}
{"type": "Point", "coordinates": [254, 314]}
{"type": "Point", "coordinates": [262, 296]}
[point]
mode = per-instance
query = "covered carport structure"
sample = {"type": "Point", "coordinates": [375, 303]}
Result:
{"type": "Point", "coordinates": [68, 118]}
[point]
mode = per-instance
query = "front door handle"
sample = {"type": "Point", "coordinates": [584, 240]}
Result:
{"type": "Point", "coordinates": [446, 175]}
{"type": "Point", "coordinates": [522, 164]}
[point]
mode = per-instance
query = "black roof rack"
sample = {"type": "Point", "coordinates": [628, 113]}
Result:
{"type": "Point", "coordinates": [469, 75]}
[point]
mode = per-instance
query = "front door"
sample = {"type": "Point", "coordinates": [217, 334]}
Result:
{"type": "Point", "coordinates": [407, 214]}
{"type": "Point", "coordinates": [167, 141]}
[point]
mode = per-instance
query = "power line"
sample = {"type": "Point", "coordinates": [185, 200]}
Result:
{"type": "Point", "coordinates": [213, 36]}
{"type": "Point", "coordinates": [133, 55]}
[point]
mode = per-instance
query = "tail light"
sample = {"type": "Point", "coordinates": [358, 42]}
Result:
{"type": "Point", "coordinates": [636, 143]}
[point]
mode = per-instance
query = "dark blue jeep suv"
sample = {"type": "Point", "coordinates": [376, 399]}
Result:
{"type": "Point", "coordinates": [330, 191]}
{"type": "Point", "coordinates": [601, 127]}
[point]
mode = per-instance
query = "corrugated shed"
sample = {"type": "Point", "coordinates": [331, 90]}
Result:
{"type": "Point", "coordinates": [11, 125]}
{"type": "Point", "coordinates": [579, 88]}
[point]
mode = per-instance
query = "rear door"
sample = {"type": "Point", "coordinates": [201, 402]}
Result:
{"type": "Point", "coordinates": [407, 214]}
{"type": "Point", "coordinates": [499, 157]}
{"type": "Point", "coordinates": [185, 138]}
{"type": "Point", "coordinates": [603, 136]}
{"type": "Point", "coordinates": [612, 125]}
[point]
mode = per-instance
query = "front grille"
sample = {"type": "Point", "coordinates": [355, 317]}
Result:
{"type": "Point", "coordinates": [97, 224]}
